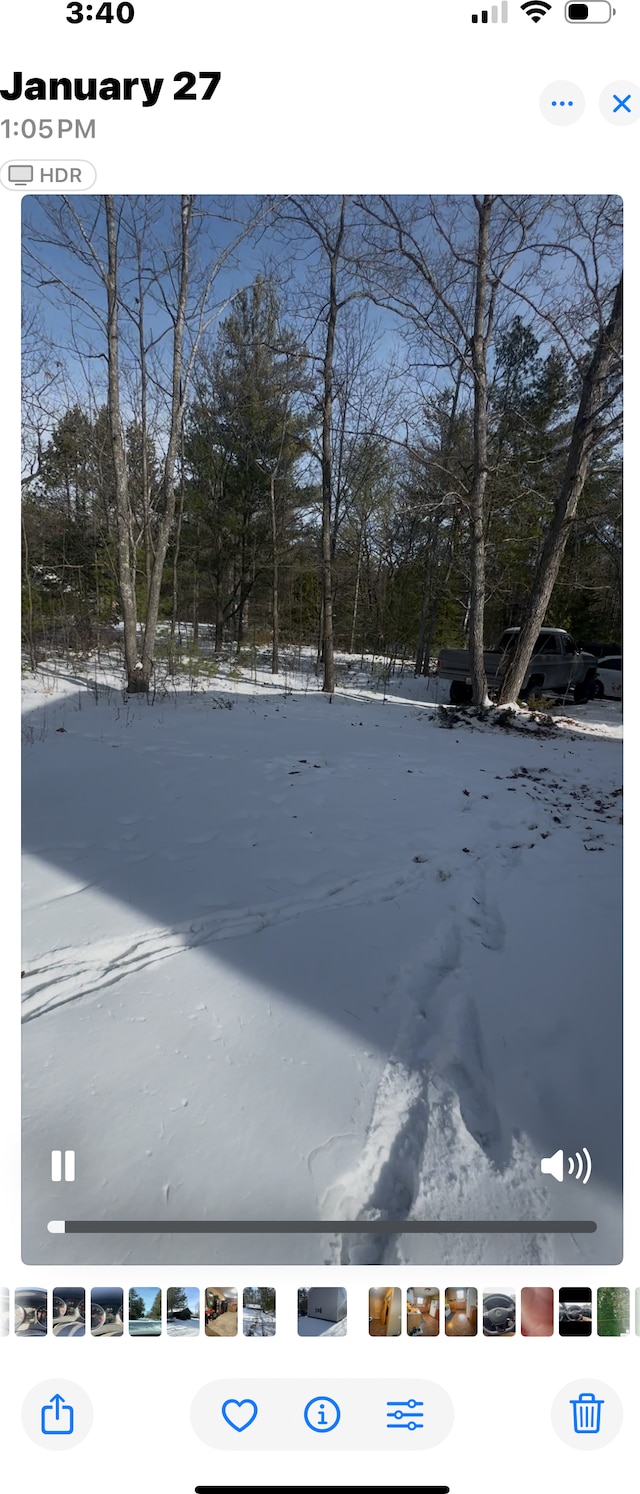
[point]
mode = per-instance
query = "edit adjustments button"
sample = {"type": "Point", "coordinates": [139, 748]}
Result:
{"type": "Point", "coordinates": [57, 1414]}
{"type": "Point", "coordinates": [24, 174]}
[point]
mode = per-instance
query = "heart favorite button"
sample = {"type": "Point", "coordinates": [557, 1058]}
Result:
{"type": "Point", "coordinates": [239, 1414]}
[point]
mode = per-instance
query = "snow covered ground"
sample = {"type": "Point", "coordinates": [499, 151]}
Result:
{"type": "Point", "coordinates": [292, 958]}
{"type": "Point", "coordinates": [316, 1328]}
{"type": "Point", "coordinates": [183, 1327]}
{"type": "Point", "coordinates": [258, 1324]}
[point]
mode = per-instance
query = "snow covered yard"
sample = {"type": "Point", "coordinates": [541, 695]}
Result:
{"type": "Point", "coordinates": [258, 1324]}
{"type": "Point", "coordinates": [289, 957]}
{"type": "Point", "coordinates": [316, 1328]}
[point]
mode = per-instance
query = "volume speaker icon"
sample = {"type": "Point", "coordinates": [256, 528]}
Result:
{"type": "Point", "coordinates": [536, 10]}
{"type": "Point", "coordinates": [578, 1168]}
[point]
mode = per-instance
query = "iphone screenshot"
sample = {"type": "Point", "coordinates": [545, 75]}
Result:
{"type": "Point", "coordinates": [312, 426]}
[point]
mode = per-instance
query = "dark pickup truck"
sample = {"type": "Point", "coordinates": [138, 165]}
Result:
{"type": "Point", "coordinates": [556, 666]}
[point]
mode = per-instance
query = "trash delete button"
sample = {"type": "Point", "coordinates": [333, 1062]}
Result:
{"type": "Point", "coordinates": [587, 1414]}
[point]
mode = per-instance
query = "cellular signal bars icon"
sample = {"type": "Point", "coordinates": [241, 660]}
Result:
{"type": "Point", "coordinates": [483, 17]}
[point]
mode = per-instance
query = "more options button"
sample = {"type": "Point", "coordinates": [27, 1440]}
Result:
{"type": "Point", "coordinates": [57, 1414]}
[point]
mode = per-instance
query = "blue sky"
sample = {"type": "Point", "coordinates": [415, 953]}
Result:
{"type": "Point", "coordinates": [193, 1298]}
{"type": "Point", "coordinates": [71, 323]}
{"type": "Point", "coordinates": [148, 1295]}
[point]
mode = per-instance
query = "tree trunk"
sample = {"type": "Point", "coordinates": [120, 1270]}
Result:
{"type": "Point", "coordinates": [144, 426]}
{"type": "Point", "coordinates": [480, 458]}
{"type": "Point", "coordinates": [123, 516]}
{"type": "Point", "coordinates": [175, 425]}
{"type": "Point", "coordinates": [418, 667]}
{"type": "Point", "coordinates": [354, 620]}
{"type": "Point", "coordinates": [275, 660]}
{"type": "Point", "coordinates": [33, 657]}
{"type": "Point", "coordinates": [176, 558]}
{"type": "Point", "coordinates": [592, 400]}
{"type": "Point", "coordinates": [320, 633]}
{"type": "Point", "coordinates": [329, 680]}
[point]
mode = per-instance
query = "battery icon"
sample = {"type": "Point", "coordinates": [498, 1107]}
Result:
{"type": "Point", "coordinates": [593, 12]}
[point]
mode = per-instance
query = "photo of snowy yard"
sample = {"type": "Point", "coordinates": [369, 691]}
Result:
{"type": "Point", "coordinates": [259, 1312]}
{"type": "Point", "coordinates": [321, 898]}
{"type": "Point", "coordinates": [183, 1312]}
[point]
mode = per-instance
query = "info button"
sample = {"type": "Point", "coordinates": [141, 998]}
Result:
{"type": "Point", "coordinates": [24, 174]}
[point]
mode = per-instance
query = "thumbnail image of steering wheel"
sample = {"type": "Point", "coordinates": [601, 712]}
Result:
{"type": "Point", "coordinates": [574, 1312]}
{"type": "Point", "coordinates": [69, 1312]}
{"type": "Point", "coordinates": [499, 1315]}
{"type": "Point", "coordinates": [31, 1312]}
{"type": "Point", "coordinates": [107, 1312]}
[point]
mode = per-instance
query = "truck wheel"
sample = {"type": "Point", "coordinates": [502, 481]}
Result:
{"type": "Point", "coordinates": [533, 687]}
{"type": "Point", "coordinates": [584, 691]}
{"type": "Point", "coordinates": [598, 690]}
{"type": "Point", "coordinates": [459, 693]}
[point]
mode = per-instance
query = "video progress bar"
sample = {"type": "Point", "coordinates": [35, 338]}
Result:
{"type": "Point", "coordinates": [322, 1227]}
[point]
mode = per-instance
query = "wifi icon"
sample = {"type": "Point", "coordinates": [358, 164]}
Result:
{"type": "Point", "coordinates": [536, 10]}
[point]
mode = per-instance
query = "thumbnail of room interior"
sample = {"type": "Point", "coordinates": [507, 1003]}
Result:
{"type": "Point", "coordinates": [461, 1312]}
{"type": "Point", "coordinates": [385, 1309]}
{"type": "Point", "coordinates": [423, 1312]}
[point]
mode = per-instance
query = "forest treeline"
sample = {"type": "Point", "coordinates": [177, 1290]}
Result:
{"type": "Point", "coordinates": [374, 425]}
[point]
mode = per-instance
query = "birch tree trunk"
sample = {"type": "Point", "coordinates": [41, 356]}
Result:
{"type": "Point", "coordinates": [123, 513]}
{"type": "Point", "coordinates": [275, 643]}
{"type": "Point", "coordinates": [167, 512]}
{"type": "Point", "coordinates": [480, 457]}
{"type": "Point", "coordinates": [329, 678]}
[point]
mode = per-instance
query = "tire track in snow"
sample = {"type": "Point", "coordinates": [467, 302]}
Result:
{"type": "Point", "coordinates": [72, 973]}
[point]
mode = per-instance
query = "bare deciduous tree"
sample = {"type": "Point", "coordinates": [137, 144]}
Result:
{"type": "Point", "coordinates": [98, 238]}
{"type": "Point", "coordinates": [596, 401]}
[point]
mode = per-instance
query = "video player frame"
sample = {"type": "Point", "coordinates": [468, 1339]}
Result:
{"type": "Point", "coordinates": [322, 899]}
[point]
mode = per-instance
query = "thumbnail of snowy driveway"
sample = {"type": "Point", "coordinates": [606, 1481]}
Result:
{"type": "Point", "coordinates": [293, 958]}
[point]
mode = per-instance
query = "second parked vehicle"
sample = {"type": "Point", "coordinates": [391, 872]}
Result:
{"type": "Point", "coordinates": [608, 679]}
